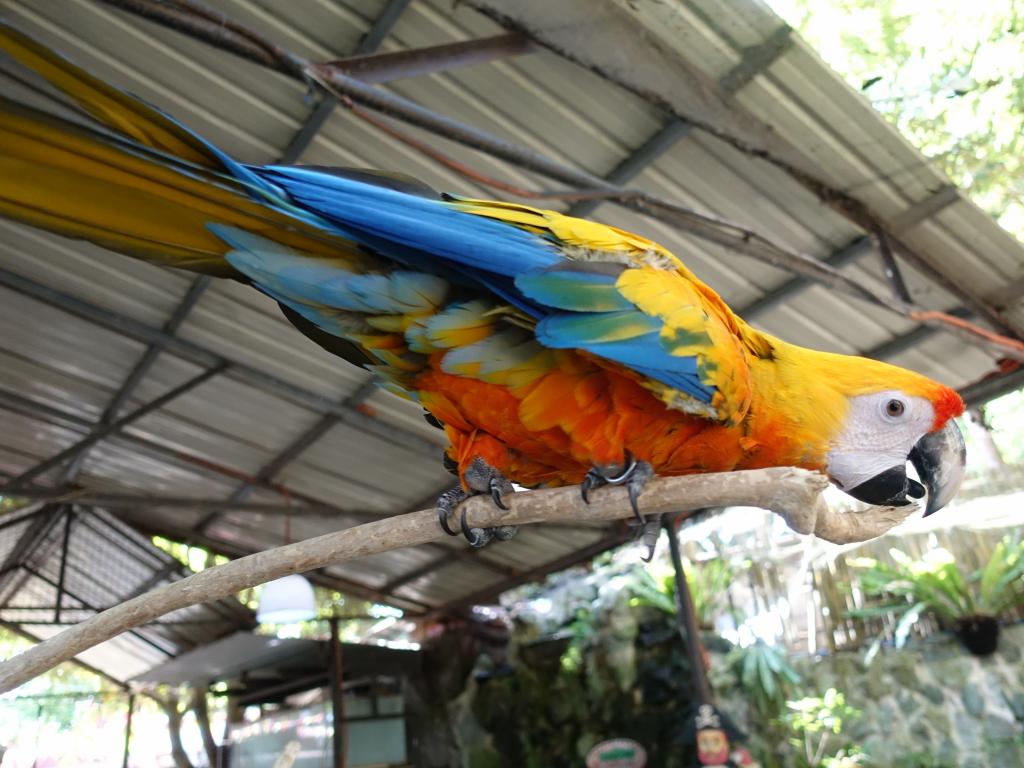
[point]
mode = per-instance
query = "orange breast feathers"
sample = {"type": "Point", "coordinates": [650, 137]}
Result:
{"type": "Point", "coordinates": [577, 414]}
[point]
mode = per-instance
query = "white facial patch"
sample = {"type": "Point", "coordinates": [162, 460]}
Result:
{"type": "Point", "coordinates": [881, 428]}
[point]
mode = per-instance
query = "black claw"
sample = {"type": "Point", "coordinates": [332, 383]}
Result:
{"type": "Point", "coordinates": [477, 537]}
{"type": "Point", "coordinates": [634, 476]}
{"type": "Point", "coordinates": [446, 504]}
{"type": "Point", "coordinates": [496, 494]}
{"type": "Point", "coordinates": [589, 483]}
{"type": "Point", "coordinates": [649, 536]}
{"type": "Point", "coordinates": [442, 518]}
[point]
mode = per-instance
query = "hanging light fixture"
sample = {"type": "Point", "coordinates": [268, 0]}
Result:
{"type": "Point", "coordinates": [286, 601]}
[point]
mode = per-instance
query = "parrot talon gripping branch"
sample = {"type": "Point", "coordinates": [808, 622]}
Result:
{"type": "Point", "coordinates": [633, 474]}
{"type": "Point", "coordinates": [551, 350]}
{"type": "Point", "coordinates": [481, 478]}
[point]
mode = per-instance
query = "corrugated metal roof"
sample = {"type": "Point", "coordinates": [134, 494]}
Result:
{"type": "Point", "coordinates": [96, 561]}
{"type": "Point", "coordinates": [59, 370]}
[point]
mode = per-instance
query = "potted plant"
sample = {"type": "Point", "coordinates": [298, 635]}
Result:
{"type": "Point", "coordinates": [970, 605]}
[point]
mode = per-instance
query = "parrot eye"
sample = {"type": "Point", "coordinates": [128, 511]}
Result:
{"type": "Point", "coordinates": [894, 408]}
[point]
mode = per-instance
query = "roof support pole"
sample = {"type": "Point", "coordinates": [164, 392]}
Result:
{"type": "Point", "coordinates": [686, 616]}
{"type": "Point", "coordinates": [337, 698]}
{"type": "Point", "coordinates": [108, 429]}
{"type": "Point", "coordinates": [128, 730]}
{"type": "Point", "coordinates": [69, 515]}
{"type": "Point", "coordinates": [755, 60]}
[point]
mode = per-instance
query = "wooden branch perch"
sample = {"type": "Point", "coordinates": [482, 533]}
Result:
{"type": "Point", "coordinates": [793, 493]}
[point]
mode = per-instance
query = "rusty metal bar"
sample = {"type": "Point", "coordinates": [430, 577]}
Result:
{"type": "Point", "coordinates": [385, 67]}
{"type": "Point", "coordinates": [371, 41]}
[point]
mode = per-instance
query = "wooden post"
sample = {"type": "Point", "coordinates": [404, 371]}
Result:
{"type": "Point", "coordinates": [337, 697]}
{"type": "Point", "coordinates": [128, 730]}
{"type": "Point", "coordinates": [686, 617]}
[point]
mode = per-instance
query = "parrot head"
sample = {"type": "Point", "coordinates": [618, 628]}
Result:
{"type": "Point", "coordinates": [876, 418]}
{"type": "Point", "coordinates": [901, 417]}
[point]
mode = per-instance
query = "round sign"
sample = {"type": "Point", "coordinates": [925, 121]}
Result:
{"type": "Point", "coordinates": [617, 753]}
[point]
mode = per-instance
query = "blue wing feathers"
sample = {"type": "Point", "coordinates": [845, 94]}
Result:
{"type": "Point", "coordinates": [576, 305]}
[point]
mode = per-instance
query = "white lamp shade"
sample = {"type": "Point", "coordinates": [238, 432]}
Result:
{"type": "Point", "coordinates": [286, 601]}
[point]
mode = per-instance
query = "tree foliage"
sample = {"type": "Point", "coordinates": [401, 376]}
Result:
{"type": "Point", "coordinates": [948, 74]}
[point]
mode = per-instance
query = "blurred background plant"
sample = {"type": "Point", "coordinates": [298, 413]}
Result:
{"type": "Point", "coordinates": [817, 724]}
{"type": "Point", "coordinates": [709, 583]}
{"type": "Point", "coordinates": [934, 583]}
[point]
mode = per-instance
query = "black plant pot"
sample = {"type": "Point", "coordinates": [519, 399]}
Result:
{"type": "Point", "coordinates": [979, 634]}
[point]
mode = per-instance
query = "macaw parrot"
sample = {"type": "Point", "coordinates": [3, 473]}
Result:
{"type": "Point", "coordinates": [550, 349]}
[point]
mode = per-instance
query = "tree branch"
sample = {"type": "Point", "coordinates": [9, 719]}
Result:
{"type": "Point", "coordinates": [793, 493]}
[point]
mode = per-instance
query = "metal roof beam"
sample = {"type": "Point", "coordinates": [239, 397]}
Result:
{"type": "Point", "coordinates": [88, 498]}
{"type": "Point", "coordinates": [207, 358]}
{"type": "Point", "coordinates": [16, 629]}
{"type": "Point", "coordinates": [26, 545]}
{"type": "Point", "coordinates": [535, 574]}
{"type": "Point", "coordinates": [899, 344]}
{"type": "Point", "coordinates": [989, 388]}
{"type": "Point", "coordinates": [372, 40]}
{"type": "Point", "coordinates": [755, 60]}
{"type": "Point", "coordinates": [853, 250]}
{"type": "Point", "coordinates": [141, 368]}
{"type": "Point", "coordinates": [292, 451]}
{"type": "Point", "coordinates": [21, 404]}
{"type": "Point", "coordinates": [147, 640]}
{"type": "Point", "coordinates": [104, 430]}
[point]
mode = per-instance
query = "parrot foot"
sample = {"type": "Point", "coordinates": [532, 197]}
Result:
{"type": "Point", "coordinates": [634, 476]}
{"type": "Point", "coordinates": [481, 477]}
{"type": "Point", "coordinates": [649, 536]}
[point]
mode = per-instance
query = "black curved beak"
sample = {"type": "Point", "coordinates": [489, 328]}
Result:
{"type": "Point", "coordinates": [939, 458]}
